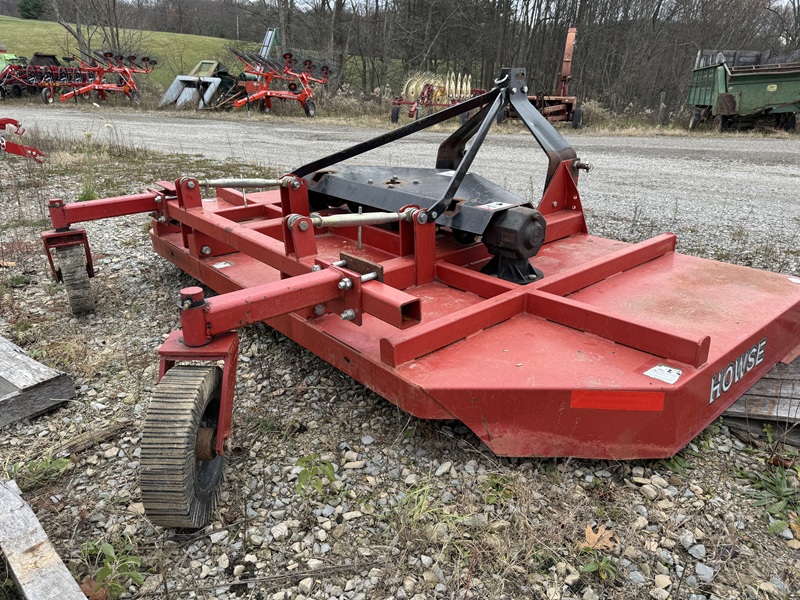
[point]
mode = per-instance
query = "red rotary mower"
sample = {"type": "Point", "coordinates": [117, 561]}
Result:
{"type": "Point", "coordinates": [446, 294]}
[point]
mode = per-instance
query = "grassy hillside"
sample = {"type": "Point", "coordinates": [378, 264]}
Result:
{"type": "Point", "coordinates": [176, 52]}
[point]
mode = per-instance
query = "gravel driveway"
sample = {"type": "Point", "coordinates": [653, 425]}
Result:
{"type": "Point", "coordinates": [417, 510]}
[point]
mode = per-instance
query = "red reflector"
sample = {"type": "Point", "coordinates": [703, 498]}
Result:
{"type": "Point", "coordinates": [612, 400]}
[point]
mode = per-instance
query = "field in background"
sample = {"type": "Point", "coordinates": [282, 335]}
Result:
{"type": "Point", "coordinates": [176, 53]}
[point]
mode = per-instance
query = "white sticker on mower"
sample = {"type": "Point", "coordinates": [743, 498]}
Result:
{"type": "Point", "coordinates": [447, 173]}
{"type": "Point", "coordinates": [494, 205]}
{"type": "Point", "coordinates": [664, 373]}
{"type": "Point", "coordinates": [222, 265]}
{"type": "Point", "coordinates": [736, 369]}
{"type": "Point", "coordinates": [794, 279]}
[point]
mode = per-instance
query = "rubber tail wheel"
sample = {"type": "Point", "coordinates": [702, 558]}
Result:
{"type": "Point", "coordinates": [72, 263]}
{"type": "Point", "coordinates": [310, 108]}
{"type": "Point", "coordinates": [179, 488]}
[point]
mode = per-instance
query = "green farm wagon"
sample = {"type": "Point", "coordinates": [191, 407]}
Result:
{"type": "Point", "coordinates": [743, 89]}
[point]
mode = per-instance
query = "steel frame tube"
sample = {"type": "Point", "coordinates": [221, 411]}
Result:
{"type": "Point", "coordinates": [63, 215]}
{"type": "Point", "coordinates": [234, 310]}
{"type": "Point", "coordinates": [240, 183]}
{"type": "Point", "coordinates": [354, 220]}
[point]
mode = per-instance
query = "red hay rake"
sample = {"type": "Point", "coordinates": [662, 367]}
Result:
{"type": "Point", "coordinates": [268, 73]}
{"type": "Point", "coordinates": [109, 73]}
{"type": "Point", "coordinates": [447, 295]}
{"type": "Point", "coordinates": [13, 147]}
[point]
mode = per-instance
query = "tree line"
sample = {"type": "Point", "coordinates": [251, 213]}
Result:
{"type": "Point", "coordinates": [627, 51]}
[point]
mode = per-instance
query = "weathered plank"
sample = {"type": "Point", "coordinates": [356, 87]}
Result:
{"type": "Point", "coordinates": [27, 387]}
{"type": "Point", "coordinates": [776, 397]}
{"type": "Point", "coordinates": [754, 432]}
{"type": "Point", "coordinates": [35, 566]}
{"type": "Point", "coordinates": [92, 438]}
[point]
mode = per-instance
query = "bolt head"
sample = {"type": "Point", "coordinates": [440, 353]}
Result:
{"type": "Point", "coordinates": [205, 250]}
{"type": "Point", "coordinates": [422, 218]}
{"type": "Point", "coordinates": [319, 310]}
{"type": "Point", "coordinates": [162, 219]}
{"type": "Point", "coordinates": [303, 225]}
{"type": "Point", "coordinates": [295, 184]}
{"type": "Point", "coordinates": [190, 185]}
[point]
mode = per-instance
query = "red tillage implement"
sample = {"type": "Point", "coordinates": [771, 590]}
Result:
{"type": "Point", "coordinates": [14, 147]}
{"type": "Point", "coordinates": [447, 295]}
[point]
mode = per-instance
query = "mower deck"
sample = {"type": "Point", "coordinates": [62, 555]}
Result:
{"type": "Point", "coordinates": [556, 368]}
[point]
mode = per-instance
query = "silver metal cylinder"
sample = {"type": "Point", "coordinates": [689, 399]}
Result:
{"type": "Point", "coordinates": [240, 183]}
{"type": "Point", "coordinates": [354, 220]}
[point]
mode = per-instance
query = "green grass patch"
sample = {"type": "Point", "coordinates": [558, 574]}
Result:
{"type": "Point", "coordinates": [176, 53]}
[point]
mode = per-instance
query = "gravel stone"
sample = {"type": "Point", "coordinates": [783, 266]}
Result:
{"type": "Point", "coordinates": [649, 492]}
{"type": "Point", "coordinates": [637, 578]}
{"type": "Point", "coordinates": [663, 581]}
{"type": "Point", "coordinates": [698, 551]}
{"type": "Point", "coordinates": [279, 532]}
{"type": "Point", "coordinates": [444, 468]}
{"type": "Point", "coordinates": [705, 573]}
{"type": "Point", "coordinates": [306, 585]}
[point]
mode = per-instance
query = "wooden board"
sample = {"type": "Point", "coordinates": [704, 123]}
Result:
{"type": "Point", "coordinates": [754, 432]}
{"type": "Point", "coordinates": [35, 566]}
{"type": "Point", "coordinates": [28, 388]}
{"type": "Point", "coordinates": [776, 397]}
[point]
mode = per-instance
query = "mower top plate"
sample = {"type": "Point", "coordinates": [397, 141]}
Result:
{"type": "Point", "coordinates": [391, 189]}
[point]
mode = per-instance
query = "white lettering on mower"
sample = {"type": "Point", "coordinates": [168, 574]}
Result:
{"type": "Point", "coordinates": [736, 369]}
